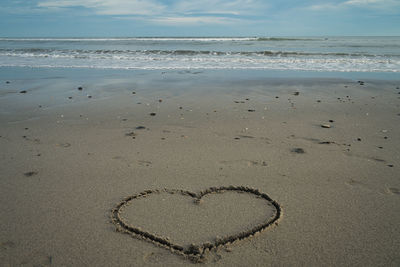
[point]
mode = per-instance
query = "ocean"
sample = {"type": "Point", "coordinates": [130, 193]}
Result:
{"type": "Point", "coordinates": [321, 54]}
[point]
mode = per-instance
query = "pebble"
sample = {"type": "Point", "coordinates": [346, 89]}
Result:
{"type": "Point", "coordinates": [251, 110]}
{"type": "Point", "coordinates": [296, 93]}
{"type": "Point", "coordinates": [152, 114]}
{"type": "Point", "coordinates": [29, 174]}
{"type": "Point", "coordinates": [359, 139]}
{"type": "Point", "coordinates": [133, 92]}
{"type": "Point", "coordinates": [131, 134]}
{"type": "Point", "coordinates": [140, 128]}
{"type": "Point", "coordinates": [22, 92]}
{"type": "Point", "coordinates": [298, 150]}
{"type": "Point", "coordinates": [80, 88]}
{"type": "Point", "coordinates": [325, 125]}
{"type": "Point", "coordinates": [331, 121]}
{"type": "Point", "coordinates": [7, 82]}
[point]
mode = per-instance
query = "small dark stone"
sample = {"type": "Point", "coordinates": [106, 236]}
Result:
{"type": "Point", "coordinates": [380, 147]}
{"type": "Point", "coordinates": [133, 92]}
{"type": "Point", "coordinates": [325, 142]}
{"type": "Point", "coordinates": [7, 82]}
{"type": "Point", "coordinates": [276, 96]}
{"type": "Point", "coordinates": [237, 138]}
{"type": "Point", "coordinates": [251, 110]}
{"type": "Point", "coordinates": [296, 93]}
{"type": "Point", "coordinates": [131, 134]}
{"type": "Point", "coordinates": [124, 119]}
{"type": "Point", "coordinates": [22, 92]}
{"type": "Point", "coordinates": [140, 128]}
{"type": "Point", "coordinates": [385, 137]}
{"type": "Point", "coordinates": [26, 128]}
{"type": "Point", "coordinates": [358, 139]}
{"type": "Point", "coordinates": [391, 165]}
{"type": "Point", "coordinates": [298, 150]}
{"type": "Point", "coordinates": [180, 107]}
{"type": "Point", "coordinates": [247, 99]}
{"type": "Point", "coordinates": [80, 88]}
{"type": "Point", "coordinates": [160, 100]}
{"type": "Point", "coordinates": [29, 174]}
{"type": "Point", "coordinates": [331, 121]}
{"type": "Point", "coordinates": [89, 96]}
{"type": "Point", "coordinates": [70, 97]}
{"type": "Point", "coordinates": [319, 101]}
{"type": "Point", "coordinates": [152, 114]}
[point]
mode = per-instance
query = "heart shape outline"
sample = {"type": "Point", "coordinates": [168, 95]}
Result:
{"type": "Point", "coordinates": [194, 253]}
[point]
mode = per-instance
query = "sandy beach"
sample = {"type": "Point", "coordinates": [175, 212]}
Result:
{"type": "Point", "coordinates": [75, 144]}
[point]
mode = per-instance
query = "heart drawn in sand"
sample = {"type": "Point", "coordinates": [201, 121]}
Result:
{"type": "Point", "coordinates": [218, 215]}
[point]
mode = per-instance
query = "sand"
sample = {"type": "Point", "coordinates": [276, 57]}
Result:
{"type": "Point", "coordinates": [325, 149]}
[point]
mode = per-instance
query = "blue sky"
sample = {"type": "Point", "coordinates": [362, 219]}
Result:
{"type": "Point", "coordinates": [76, 18]}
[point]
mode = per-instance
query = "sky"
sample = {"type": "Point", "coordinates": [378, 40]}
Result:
{"type": "Point", "coordinates": [123, 18]}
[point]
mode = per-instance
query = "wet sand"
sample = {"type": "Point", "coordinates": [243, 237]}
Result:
{"type": "Point", "coordinates": [325, 149]}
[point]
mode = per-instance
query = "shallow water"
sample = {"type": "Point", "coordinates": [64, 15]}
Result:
{"type": "Point", "coordinates": [332, 54]}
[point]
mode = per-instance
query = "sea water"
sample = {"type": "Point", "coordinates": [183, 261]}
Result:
{"type": "Point", "coordinates": [325, 54]}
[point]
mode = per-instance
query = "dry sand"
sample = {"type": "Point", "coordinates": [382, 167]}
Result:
{"type": "Point", "coordinates": [68, 159]}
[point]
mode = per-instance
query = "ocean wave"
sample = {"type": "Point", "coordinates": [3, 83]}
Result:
{"type": "Point", "coordinates": [81, 52]}
{"type": "Point", "coordinates": [160, 39]}
{"type": "Point", "coordinates": [207, 62]}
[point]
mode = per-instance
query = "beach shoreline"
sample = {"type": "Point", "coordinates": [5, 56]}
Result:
{"type": "Point", "coordinates": [75, 142]}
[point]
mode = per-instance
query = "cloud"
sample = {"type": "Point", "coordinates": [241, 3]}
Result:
{"type": "Point", "coordinates": [110, 7]}
{"type": "Point", "coordinates": [368, 4]}
{"type": "Point", "coordinates": [151, 7]}
{"type": "Point", "coordinates": [323, 6]}
{"type": "Point", "coordinates": [232, 7]}
{"type": "Point", "coordinates": [167, 12]}
{"type": "Point", "coordinates": [196, 20]}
